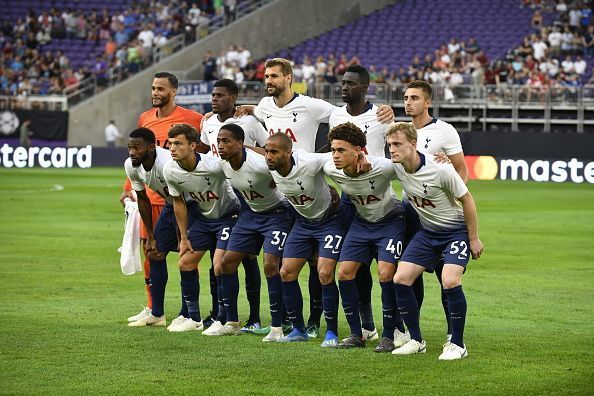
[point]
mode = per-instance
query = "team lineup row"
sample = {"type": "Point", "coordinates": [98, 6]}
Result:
{"type": "Point", "coordinates": [236, 200]}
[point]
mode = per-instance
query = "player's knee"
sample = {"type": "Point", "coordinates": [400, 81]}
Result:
{"type": "Point", "coordinates": [227, 266]}
{"type": "Point", "coordinates": [450, 281]}
{"type": "Point", "coordinates": [288, 274]}
{"type": "Point", "coordinates": [270, 269]}
{"type": "Point", "coordinates": [157, 256]}
{"type": "Point", "coordinates": [403, 279]}
{"type": "Point", "coordinates": [326, 275]}
{"type": "Point", "coordinates": [186, 265]}
{"type": "Point", "coordinates": [346, 273]}
{"type": "Point", "coordinates": [385, 274]}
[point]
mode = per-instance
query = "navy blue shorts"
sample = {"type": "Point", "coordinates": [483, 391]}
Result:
{"type": "Point", "coordinates": [205, 233]}
{"type": "Point", "coordinates": [364, 239]}
{"type": "Point", "coordinates": [427, 247]}
{"type": "Point", "coordinates": [166, 230]}
{"type": "Point", "coordinates": [254, 230]}
{"type": "Point", "coordinates": [349, 210]}
{"type": "Point", "coordinates": [413, 223]}
{"type": "Point", "coordinates": [324, 237]}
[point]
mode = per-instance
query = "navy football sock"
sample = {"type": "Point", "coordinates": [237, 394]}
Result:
{"type": "Point", "coordinates": [409, 310]}
{"type": "Point", "coordinates": [364, 285]}
{"type": "Point", "coordinates": [350, 304]}
{"type": "Point", "coordinates": [183, 310]}
{"type": "Point", "coordinates": [159, 279]}
{"type": "Point", "coordinates": [214, 292]}
{"type": "Point", "coordinates": [191, 290]}
{"type": "Point", "coordinates": [293, 300]}
{"type": "Point", "coordinates": [444, 298]}
{"type": "Point", "coordinates": [457, 308]}
{"type": "Point", "coordinates": [229, 293]}
{"type": "Point", "coordinates": [275, 298]}
{"type": "Point", "coordinates": [221, 312]}
{"type": "Point", "coordinates": [253, 284]}
{"type": "Point", "coordinates": [315, 297]}
{"type": "Point", "coordinates": [418, 287]}
{"type": "Point", "coordinates": [330, 304]}
{"type": "Point", "coordinates": [388, 308]}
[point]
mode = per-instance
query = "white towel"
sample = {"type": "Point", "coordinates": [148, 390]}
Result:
{"type": "Point", "coordinates": [130, 250]}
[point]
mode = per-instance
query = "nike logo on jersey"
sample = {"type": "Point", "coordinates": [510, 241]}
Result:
{"type": "Point", "coordinates": [181, 182]}
{"type": "Point", "coordinates": [268, 116]}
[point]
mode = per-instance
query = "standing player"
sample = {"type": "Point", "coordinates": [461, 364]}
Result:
{"type": "Point", "coordinates": [223, 97]}
{"type": "Point", "coordinates": [448, 214]}
{"type": "Point", "coordinates": [377, 230]}
{"type": "Point", "coordinates": [362, 113]}
{"type": "Point", "coordinates": [299, 117]}
{"type": "Point", "coordinates": [145, 168]}
{"type": "Point", "coordinates": [434, 136]}
{"type": "Point", "coordinates": [159, 119]}
{"type": "Point", "coordinates": [265, 221]}
{"type": "Point", "coordinates": [319, 227]}
{"type": "Point", "coordinates": [203, 179]}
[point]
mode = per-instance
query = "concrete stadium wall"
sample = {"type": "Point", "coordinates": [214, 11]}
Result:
{"type": "Point", "coordinates": [278, 25]}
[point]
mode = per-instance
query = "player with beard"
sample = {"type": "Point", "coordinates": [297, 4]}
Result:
{"type": "Point", "coordinates": [159, 119]}
{"type": "Point", "coordinates": [144, 169]}
{"type": "Point", "coordinates": [223, 97]}
{"type": "Point", "coordinates": [435, 137]}
{"type": "Point", "coordinates": [299, 117]}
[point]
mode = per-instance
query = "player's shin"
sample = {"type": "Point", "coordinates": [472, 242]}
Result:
{"type": "Point", "coordinates": [457, 312]}
{"type": "Point", "coordinates": [253, 285]}
{"type": "Point", "coordinates": [350, 304]}
{"type": "Point", "coordinates": [409, 310]}
{"type": "Point", "coordinates": [191, 291]}
{"type": "Point", "coordinates": [293, 300]}
{"type": "Point", "coordinates": [159, 277]}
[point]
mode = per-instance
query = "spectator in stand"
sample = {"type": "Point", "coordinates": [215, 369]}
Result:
{"type": "Point", "coordinates": [537, 19]}
{"type": "Point", "coordinates": [588, 41]}
{"type": "Point", "coordinates": [209, 63]}
{"type": "Point", "coordinates": [112, 134]}
{"type": "Point", "coordinates": [567, 65]}
{"type": "Point", "coordinates": [309, 71]}
{"type": "Point", "coordinates": [243, 56]}
{"type": "Point", "coordinates": [579, 66]}
{"type": "Point", "coordinates": [539, 48]}
{"type": "Point", "coordinates": [575, 16]}
{"type": "Point", "coordinates": [100, 70]}
{"type": "Point", "coordinates": [554, 39]}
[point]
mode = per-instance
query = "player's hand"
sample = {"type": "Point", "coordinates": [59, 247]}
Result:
{"type": "Point", "coordinates": [385, 114]}
{"type": "Point", "coordinates": [127, 194]}
{"type": "Point", "coordinates": [150, 246]}
{"type": "Point", "coordinates": [184, 247]}
{"type": "Point", "coordinates": [204, 118]}
{"type": "Point", "coordinates": [244, 110]}
{"type": "Point", "coordinates": [363, 166]}
{"type": "Point", "coordinates": [441, 158]}
{"type": "Point", "coordinates": [476, 248]}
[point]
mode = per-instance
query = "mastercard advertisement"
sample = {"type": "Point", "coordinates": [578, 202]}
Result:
{"type": "Point", "coordinates": [490, 168]}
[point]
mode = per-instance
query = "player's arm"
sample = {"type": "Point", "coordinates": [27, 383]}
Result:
{"type": "Point", "coordinates": [471, 219]}
{"type": "Point", "coordinates": [127, 193]}
{"type": "Point", "coordinates": [460, 165]}
{"type": "Point", "coordinates": [385, 114]}
{"type": "Point", "coordinates": [259, 150]}
{"type": "Point", "coordinates": [146, 214]}
{"type": "Point", "coordinates": [181, 215]}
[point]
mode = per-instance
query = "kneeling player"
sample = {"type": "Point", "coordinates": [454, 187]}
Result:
{"type": "Point", "coordinates": [217, 206]}
{"type": "Point", "coordinates": [448, 214]}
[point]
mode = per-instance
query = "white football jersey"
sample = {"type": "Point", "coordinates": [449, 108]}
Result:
{"type": "Point", "coordinates": [154, 178]}
{"type": "Point", "coordinates": [206, 184]}
{"type": "Point", "coordinates": [371, 192]}
{"type": "Point", "coordinates": [299, 119]}
{"type": "Point", "coordinates": [253, 129]}
{"type": "Point", "coordinates": [368, 123]}
{"type": "Point", "coordinates": [305, 186]}
{"type": "Point", "coordinates": [432, 190]}
{"type": "Point", "coordinates": [254, 182]}
{"type": "Point", "coordinates": [438, 136]}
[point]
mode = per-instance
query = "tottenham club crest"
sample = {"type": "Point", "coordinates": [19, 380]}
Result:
{"type": "Point", "coordinates": [9, 122]}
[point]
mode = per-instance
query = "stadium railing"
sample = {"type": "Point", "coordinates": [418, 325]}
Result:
{"type": "Point", "coordinates": [474, 107]}
{"type": "Point", "coordinates": [34, 102]}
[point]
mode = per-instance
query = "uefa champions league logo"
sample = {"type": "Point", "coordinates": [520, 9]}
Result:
{"type": "Point", "coordinates": [9, 122]}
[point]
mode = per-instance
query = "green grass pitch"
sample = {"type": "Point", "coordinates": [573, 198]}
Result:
{"type": "Point", "coordinates": [64, 304]}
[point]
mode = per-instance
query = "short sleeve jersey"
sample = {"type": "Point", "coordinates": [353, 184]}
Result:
{"type": "Point", "coordinates": [253, 129]}
{"type": "Point", "coordinates": [154, 178]}
{"type": "Point", "coordinates": [206, 184]}
{"type": "Point", "coordinates": [438, 136]}
{"type": "Point", "coordinates": [375, 131]}
{"type": "Point", "coordinates": [370, 192]}
{"type": "Point", "coordinates": [254, 182]}
{"type": "Point", "coordinates": [160, 127]}
{"type": "Point", "coordinates": [299, 119]}
{"type": "Point", "coordinates": [305, 186]}
{"type": "Point", "coordinates": [433, 190]}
